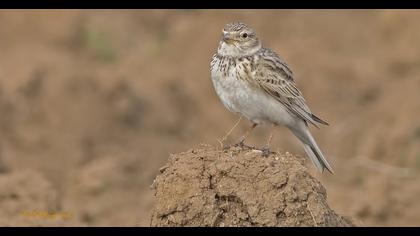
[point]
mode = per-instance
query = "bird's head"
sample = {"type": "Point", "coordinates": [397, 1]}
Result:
{"type": "Point", "coordinates": [238, 39]}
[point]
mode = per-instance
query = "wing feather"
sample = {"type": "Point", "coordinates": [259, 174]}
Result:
{"type": "Point", "coordinates": [276, 78]}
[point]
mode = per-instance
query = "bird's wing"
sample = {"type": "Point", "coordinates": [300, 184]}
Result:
{"type": "Point", "coordinates": [275, 78]}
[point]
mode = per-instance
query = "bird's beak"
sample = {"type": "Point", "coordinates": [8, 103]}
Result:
{"type": "Point", "coordinates": [228, 39]}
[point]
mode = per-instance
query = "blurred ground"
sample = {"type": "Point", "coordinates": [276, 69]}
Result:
{"type": "Point", "coordinates": [93, 101]}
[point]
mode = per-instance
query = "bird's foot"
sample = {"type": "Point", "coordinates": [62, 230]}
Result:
{"type": "Point", "coordinates": [223, 145]}
{"type": "Point", "coordinates": [240, 144]}
{"type": "Point", "coordinates": [266, 151]}
{"type": "Point", "coordinates": [226, 146]}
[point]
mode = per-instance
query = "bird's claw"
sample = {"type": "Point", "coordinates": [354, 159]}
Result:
{"type": "Point", "coordinates": [240, 144]}
{"type": "Point", "coordinates": [265, 151]}
{"type": "Point", "coordinates": [226, 146]}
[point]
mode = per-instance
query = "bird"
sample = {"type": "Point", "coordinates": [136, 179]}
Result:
{"type": "Point", "coordinates": [256, 83]}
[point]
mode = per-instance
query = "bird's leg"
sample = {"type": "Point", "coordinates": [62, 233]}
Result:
{"type": "Point", "coordinates": [266, 148]}
{"type": "Point", "coordinates": [229, 132]}
{"type": "Point", "coordinates": [242, 140]}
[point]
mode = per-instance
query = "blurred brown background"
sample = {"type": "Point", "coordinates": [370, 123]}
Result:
{"type": "Point", "coordinates": [93, 101]}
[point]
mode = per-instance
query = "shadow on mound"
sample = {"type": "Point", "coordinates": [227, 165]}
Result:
{"type": "Point", "coordinates": [238, 187]}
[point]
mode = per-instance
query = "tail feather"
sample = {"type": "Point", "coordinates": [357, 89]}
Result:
{"type": "Point", "coordinates": [312, 149]}
{"type": "Point", "coordinates": [317, 159]}
{"type": "Point", "coordinates": [314, 159]}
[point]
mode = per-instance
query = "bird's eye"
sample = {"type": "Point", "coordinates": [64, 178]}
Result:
{"type": "Point", "coordinates": [244, 35]}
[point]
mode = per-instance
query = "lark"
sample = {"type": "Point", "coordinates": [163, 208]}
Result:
{"type": "Point", "coordinates": [255, 83]}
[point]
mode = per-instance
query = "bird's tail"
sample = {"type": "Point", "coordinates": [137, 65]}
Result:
{"type": "Point", "coordinates": [317, 158]}
{"type": "Point", "coordinates": [312, 149]}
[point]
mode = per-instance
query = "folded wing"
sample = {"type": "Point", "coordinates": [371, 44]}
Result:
{"type": "Point", "coordinates": [276, 79]}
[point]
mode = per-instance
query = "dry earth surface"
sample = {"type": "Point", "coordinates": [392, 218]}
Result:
{"type": "Point", "coordinates": [239, 186]}
{"type": "Point", "coordinates": [92, 103]}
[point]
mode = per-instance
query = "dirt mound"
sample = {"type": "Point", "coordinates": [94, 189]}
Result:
{"type": "Point", "coordinates": [239, 187]}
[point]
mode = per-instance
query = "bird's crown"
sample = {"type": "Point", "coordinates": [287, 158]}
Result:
{"type": "Point", "coordinates": [235, 26]}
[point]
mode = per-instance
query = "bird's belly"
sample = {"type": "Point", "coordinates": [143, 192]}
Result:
{"type": "Point", "coordinates": [239, 97]}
